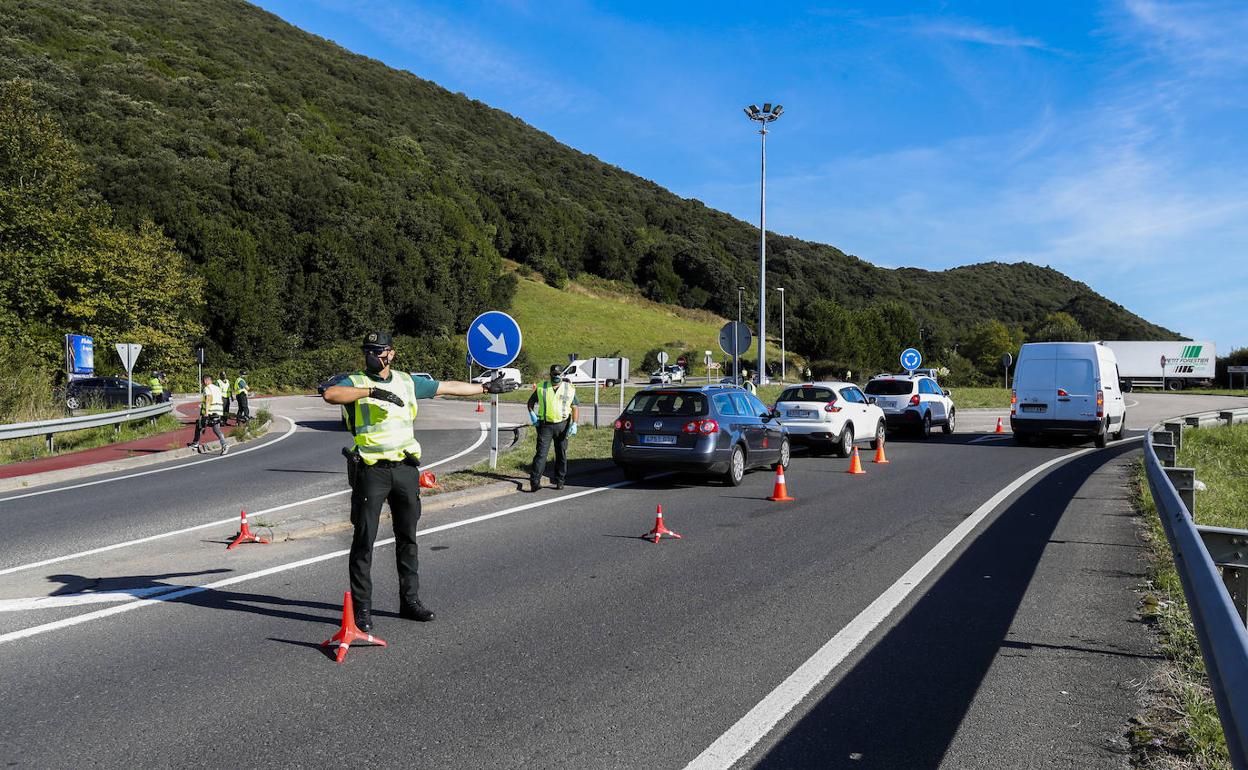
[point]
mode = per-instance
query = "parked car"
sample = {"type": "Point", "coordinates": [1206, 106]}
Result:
{"type": "Point", "coordinates": [104, 391]}
{"type": "Point", "coordinates": [509, 373]}
{"type": "Point", "coordinates": [1067, 388]}
{"type": "Point", "coordinates": [713, 429]}
{"type": "Point", "coordinates": [330, 382]}
{"type": "Point", "coordinates": [668, 374]}
{"type": "Point", "coordinates": [913, 402]}
{"type": "Point", "coordinates": [830, 416]}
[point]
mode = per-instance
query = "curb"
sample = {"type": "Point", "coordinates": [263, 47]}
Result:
{"type": "Point", "coordinates": [17, 483]}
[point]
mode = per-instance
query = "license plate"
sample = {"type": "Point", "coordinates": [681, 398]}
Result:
{"type": "Point", "coordinates": [802, 413]}
{"type": "Point", "coordinates": [1035, 407]}
{"type": "Point", "coordinates": [658, 439]}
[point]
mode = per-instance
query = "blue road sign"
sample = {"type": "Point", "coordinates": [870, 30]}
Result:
{"type": "Point", "coordinates": [494, 339]}
{"type": "Point", "coordinates": [910, 359]}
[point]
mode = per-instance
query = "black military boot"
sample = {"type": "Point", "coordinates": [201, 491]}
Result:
{"type": "Point", "coordinates": [364, 618]}
{"type": "Point", "coordinates": [416, 611]}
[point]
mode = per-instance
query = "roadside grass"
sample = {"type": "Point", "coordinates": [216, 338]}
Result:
{"type": "Point", "coordinates": [589, 444]}
{"type": "Point", "coordinates": [1199, 391]}
{"type": "Point", "coordinates": [258, 426]}
{"type": "Point", "coordinates": [1182, 728]}
{"type": "Point", "coordinates": [34, 447]}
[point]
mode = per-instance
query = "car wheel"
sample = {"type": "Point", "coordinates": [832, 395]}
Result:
{"type": "Point", "coordinates": [610, 383]}
{"type": "Point", "coordinates": [633, 473]}
{"type": "Point", "coordinates": [141, 401]}
{"type": "Point", "coordinates": [785, 452]}
{"type": "Point", "coordinates": [1102, 438]}
{"type": "Point", "coordinates": [736, 467]}
{"type": "Point", "coordinates": [72, 403]}
{"type": "Point", "coordinates": [879, 435]}
{"type": "Point", "coordinates": [950, 423]}
{"type": "Point", "coordinates": [925, 428]}
{"type": "Point", "coordinates": [1174, 385]}
{"type": "Point", "coordinates": [845, 444]}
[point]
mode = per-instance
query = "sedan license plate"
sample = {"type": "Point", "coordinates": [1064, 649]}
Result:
{"type": "Point", "coordinates": [801, 413]}
{"type": "Point", "coordinates": [1034, 407]}
{"type": "Point", "coordinates": [658, 439]}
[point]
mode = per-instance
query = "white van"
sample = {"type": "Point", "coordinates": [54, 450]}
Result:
{"type": "Point", "coordinates": [1068, 388]}
{"type": "Point", "coordinates": [579, 372]}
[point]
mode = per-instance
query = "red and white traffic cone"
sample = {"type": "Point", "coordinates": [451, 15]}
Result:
{"type": "Point", "coordinates": [855, 465]}
{"type": "Point", "coordinates": [660, 529]}
{"type": "Point", "coordinates": [1000, 426]}
{"type": "Point", "coordinates": [428, 480]}
{"type": "Point", "coordinates": [349, 632]}
{"type": "Point", "coordinates": [480, 408]}
{"type": "Point", "coordinates": [245, 535]}
{"type": "Point", "coordinates": [780, 493]}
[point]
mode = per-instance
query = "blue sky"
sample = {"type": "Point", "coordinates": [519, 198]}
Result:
{"type": "Point", "coordinates": [1104, 139]}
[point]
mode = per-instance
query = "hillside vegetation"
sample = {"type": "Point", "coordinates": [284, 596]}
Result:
{"type": "Point", "coordinates": [318, 193]}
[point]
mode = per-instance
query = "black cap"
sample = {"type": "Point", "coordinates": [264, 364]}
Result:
{"type": "Point", "coordinates": [378, 339]}
{"type": "Point", "coordinates": [556, 369]}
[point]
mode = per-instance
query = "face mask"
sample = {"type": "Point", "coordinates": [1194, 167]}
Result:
{"type": "Point", "coordinates": [555, 379]}
{"type": "Point", "coordinates": [372, 363]}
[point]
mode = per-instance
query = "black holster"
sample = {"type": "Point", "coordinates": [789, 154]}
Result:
{"type": "Point", "coordinates": [353, 465]}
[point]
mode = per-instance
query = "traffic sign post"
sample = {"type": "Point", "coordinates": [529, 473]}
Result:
{"type": "Point", "coordinates": [494, 341]}
{"type": "Point", "coordinates": [707, 359]}
{"type": "Point", "coordinates": [1163, 373]}
{"type": "Point", "coordinates": [129, 353]}
{"type": "Point", "coordinates": [911, 359]}
{"type": "Point", "coordinates": [1006, 360]}
{"type": "Point", "coordinates": [734, 339]}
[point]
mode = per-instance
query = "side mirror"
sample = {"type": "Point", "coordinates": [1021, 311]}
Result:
{"type": "Point", "coordinates": [766, 416]}
{"type": "Point", "coordinates": [949, 393]}
{"type": "Point", "coordinates": [870, 399]}
{"type": "Point", "coordinates": [1124, 386]}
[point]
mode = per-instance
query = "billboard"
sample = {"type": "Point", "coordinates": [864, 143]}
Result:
{"type": "Point", "coordinates": [79, 355]}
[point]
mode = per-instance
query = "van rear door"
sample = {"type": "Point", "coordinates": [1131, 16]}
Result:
{"type": "Point", "coordinates": [1035, 382]}
{"type": "Point", "coordinates": [1076, 389]}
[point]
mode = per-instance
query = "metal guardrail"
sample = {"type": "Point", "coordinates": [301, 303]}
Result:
{"type": "Point", "coordinates": [1217, 600]}
{"type": "Point", "coordinates": [50, 428]}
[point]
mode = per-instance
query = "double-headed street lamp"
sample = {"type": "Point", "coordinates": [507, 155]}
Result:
{"type": "Point", "coordinates": [764, 116]}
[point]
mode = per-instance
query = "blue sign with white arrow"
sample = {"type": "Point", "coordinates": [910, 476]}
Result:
{"type": "Point", "coordinates": [910, 359]}
{"type": "Point", "coordinates": [494, 339]}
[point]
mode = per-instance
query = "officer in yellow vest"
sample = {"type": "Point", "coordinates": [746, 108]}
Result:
{"type": "Point", "coordinates": [224, 384]}
{"type": "Point", "coordinates": [158, 388]}
{"type": "Point", "coordinates": [553, 411]}
{"type": "Point", "coordinates": [210, 405]}
{"type": "Point", "coordinates": [379, 406]}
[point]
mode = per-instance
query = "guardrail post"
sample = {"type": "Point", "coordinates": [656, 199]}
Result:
{"type": "Point", "coordinates": [1184, 482]}
{"type": "Point", "coordinates": [1228, 548]}
{"type": "Point", "coordinates": [1228, 416]}
{"type": "Point", "coordinates": [1167, 454]}
{"type": "Point", "coordinates": [1176, 433]}
{"type": "Point", "coordinates": [50, 435]}
{"type": "Point", "coordinates": [1192, 421]}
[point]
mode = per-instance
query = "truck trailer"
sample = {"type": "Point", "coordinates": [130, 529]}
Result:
{"type": "Point", "coordinates": [1172, 365]}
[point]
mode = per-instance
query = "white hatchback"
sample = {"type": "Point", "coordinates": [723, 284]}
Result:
{"type": "Point", "coordinates": [913, 402]}
{"type": "Point", "coordinates": [830, 415]}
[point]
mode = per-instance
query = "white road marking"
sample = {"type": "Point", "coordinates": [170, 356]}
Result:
{"type": "Point", "coordinates": [235, 453]}
{"type": "Point", "coordinates": [990, 437]}
{"type": "Point", "coordinates": [483, 426]}
{"type": "Point", "coordinates": [180, 593]}
{"type": "Point", "coordinates": [89, 597]}
{"type": "Point", "coordinates": [755, 725]}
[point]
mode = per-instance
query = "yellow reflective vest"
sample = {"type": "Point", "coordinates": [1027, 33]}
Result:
{"type": "Point", "coordinates": [156, 387]}
{"type": "Point", "coordinates": [211, 403]}
{"type": "Point", "coordinates": [554, 403]}
{"type": "Point", "coordinates": [382, 430]}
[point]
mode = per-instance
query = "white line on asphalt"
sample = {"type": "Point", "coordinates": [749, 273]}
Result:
{"type": "Point", "coordinates": [221, 522]}
{"type": "Point", "coordinates": [990, 437]}
{"type": "Point", "coordinates": [74, 600]}
{"type": "Point", "coordinates": [56, 625]}
{"type": "Point", "coordinates": [755, 725]}
{"type": "Point", "coordinates": [237, 453]}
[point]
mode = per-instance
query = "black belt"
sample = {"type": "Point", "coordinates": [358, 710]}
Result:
{"type": "Point", "coordinates": [394, 463]}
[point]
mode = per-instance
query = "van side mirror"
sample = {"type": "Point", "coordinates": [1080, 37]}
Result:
{"type": "Point", "coordinates": [870, 399]}
{"type": "Point", "coordinates": [1124, 386]}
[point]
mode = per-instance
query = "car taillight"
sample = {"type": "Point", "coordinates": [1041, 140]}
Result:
{"type": "Point", "coordinates": [619, 424]}
{"type": "Point", "coordinates": [914, 400]}
{"type": "Point", "coordinates": [708, 427]}
{"type": "Point", "coordinates": [831, 407]}
{"type": "Point", "coordinates": [1062, 392]}
{"type": "Point", "coordinates": [691, 427]}
{"type": "Point", "coordinates": [1013, 403]}
{"type": "Point", "coordinates": [623, 424]}
{"type": "Point", "coordinates": [1100, 403]}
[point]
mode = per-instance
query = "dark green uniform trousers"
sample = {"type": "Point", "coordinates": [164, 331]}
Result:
{"type": "Point", "coordinates": [548, 433]}
{"type": "Point", "coordinates": [398, 483]}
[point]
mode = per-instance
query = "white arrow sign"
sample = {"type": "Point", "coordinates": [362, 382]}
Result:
{"type": "Point", "coordinates": [497, 344]}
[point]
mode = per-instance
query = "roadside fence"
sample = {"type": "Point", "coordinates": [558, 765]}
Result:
{"type": "Point", "coordinates": [49, 428]}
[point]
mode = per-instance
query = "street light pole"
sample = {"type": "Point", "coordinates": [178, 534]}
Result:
{"type": "Point", "coordinates": [764, 116]}
{"type": "Point", "coordinates": [783, 370]}
{"type": "Point", "coordinates": [736, 357]}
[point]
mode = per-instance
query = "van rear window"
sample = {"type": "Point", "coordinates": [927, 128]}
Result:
{"type": "Point", "coordinates": [889, 387]}
{"type": "Point", "coordinates": [668, 402]}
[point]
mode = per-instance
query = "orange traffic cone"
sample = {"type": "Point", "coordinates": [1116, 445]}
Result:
{"type": "Point", "coordinates": [428, 480]}
{"type": "Point", "coordinates": [480, 408]}
{"type": "Point", "coordinates": [780, 493]}
{"type": "Point", "coordinates": [879, 453]}
{"type": "Point", "coordinates": [855, 465]}
{"type": "Point", "coordinates": [660, 529]}
{"type": "Point", "coordinates": [1000, 427]}
{"type": "Point", "coordinates": [245, 535]}
{"type": "Point", "coordinates": [349, 632]}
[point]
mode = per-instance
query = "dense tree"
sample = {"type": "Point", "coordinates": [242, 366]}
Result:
{"type": "Point", "coordinates": [1058, 327]}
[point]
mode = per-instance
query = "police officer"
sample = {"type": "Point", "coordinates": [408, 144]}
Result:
{"type": "Point", "coordinates": [746, 382]}
{"type": "Point", "coordinates": [158, 388]}
{"type": "Point", "coordinates": [223, 383]}
{"type": "Point", "coordinates": [241, 392]}
{"type": "Point", "coordinates": [210, 405]}
{"type": "Point", "coordinates": [379, 406]}
{"type": "Point", "coordinates": [550, 407]}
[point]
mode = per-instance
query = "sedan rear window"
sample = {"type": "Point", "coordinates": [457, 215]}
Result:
{"type": "Point", "coordinates": [889, 387]}
{"type": "Point", "coordinates": [808, 393]}
{"type": "Point", "coordinates": [668, 402]}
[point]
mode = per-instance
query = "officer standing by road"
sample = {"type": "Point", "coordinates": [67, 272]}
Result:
{"type": "Point", "coordinates": [241, 392]}
{"type": "Point", "coordinates": [210, 405]}
{"type": "Point", "coordinates": [379, 407]}
{"type": "Point", "coordinates": [223, 382]}
{"type": "Point", "coordinates": [158, 388]}
{"type": "Point", "coordinates": [550, 407]}
{"type": "Point", "coordinates": [748, 383]}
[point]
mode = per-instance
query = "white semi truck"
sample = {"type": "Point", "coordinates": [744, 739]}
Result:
{"type": "Point", "coordinates": [1172, 365]}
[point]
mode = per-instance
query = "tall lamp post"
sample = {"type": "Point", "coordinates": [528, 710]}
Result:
{"type": "Point", "coordinates": [764, 116]}
{"type": "Point", "coordinates": [736, 362]}
{"type": "Point", "coordinates": [783, 372]}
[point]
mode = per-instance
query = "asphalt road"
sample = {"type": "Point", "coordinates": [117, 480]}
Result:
{"type": "Point", "coordinates": [563, 640]}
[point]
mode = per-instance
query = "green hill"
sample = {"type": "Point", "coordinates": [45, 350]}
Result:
{"type": "Point", "coordinates": [320, 193]}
